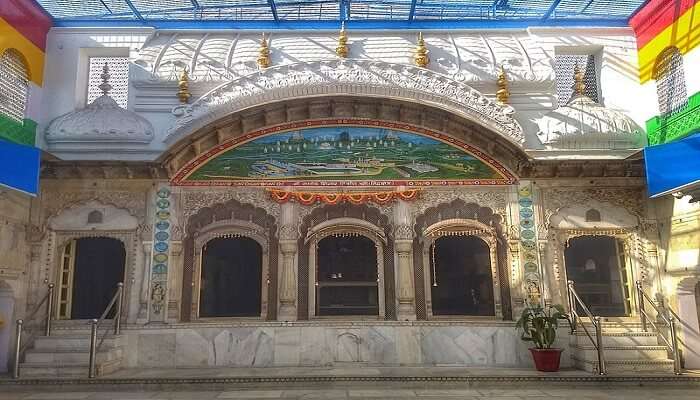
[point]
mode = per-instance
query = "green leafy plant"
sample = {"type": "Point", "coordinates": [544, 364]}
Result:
{"type": "Point", "coordinates": [539, 324]}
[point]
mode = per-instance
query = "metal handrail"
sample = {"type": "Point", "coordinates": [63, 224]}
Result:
{"type": "Point", "coordinates": [48, 299]}
{"type": "Point", "coordinates": [575, 300]}
{"type": "Point", "coordinates": [670, 321]}
{"type": "Point", "coordinates": [118, 298]}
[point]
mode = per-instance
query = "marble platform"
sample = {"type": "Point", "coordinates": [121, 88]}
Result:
{"type": "Point", "coordinates": [330, 344]}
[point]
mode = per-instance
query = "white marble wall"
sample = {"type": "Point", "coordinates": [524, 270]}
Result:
{"type": "Point", "coordinates": [304, 345]}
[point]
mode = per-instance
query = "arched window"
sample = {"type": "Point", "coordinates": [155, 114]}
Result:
{"type": "Point", "coordinates": [231, 282]}
{"type": "Point", "coordinates": [597, 266]}
{"type": "Point", "coordinates": [670, 81]}
{"type": "Point", "coordinates": [460, 276]}
{"type": "Point", "coordinates": [14, 85]}
{"type": "Point", "coordinates": [592, 215]}
{"type": "Point", "coordinates": [347, 279]}
{"type": "Point", "coordinates": [94, 217]}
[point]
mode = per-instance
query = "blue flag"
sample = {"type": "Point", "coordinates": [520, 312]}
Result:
{"type": "Point", "coordinates": [672, 166]}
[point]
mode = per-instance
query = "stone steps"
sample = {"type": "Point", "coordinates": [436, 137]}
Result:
{"type": "Point", "coordinates": [588, 352]}
{"type": "Point", "coordinates": [625, 366]}
{"type": "Point", "coordinates": [67, 354]}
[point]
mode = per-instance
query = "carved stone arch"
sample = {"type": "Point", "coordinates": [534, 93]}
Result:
{"type": "Point", "coordinates": [484, 217]}
{"type": "Point", "coordinates": [340, 212]}
{"type": "Point", "coordinates": [243, 218]}
{"type": "Point", "coordinates": [367, 78]}
{"type": "Point", "coordinates": [419, 118]}
{"type": "Point", "coordinates": [54, 203]}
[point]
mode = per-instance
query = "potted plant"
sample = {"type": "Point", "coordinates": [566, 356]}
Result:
{"type": "Point", "coordinates": [539, 326]}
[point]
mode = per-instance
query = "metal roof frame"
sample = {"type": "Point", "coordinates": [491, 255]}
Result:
{"type": "Point", "coordinates": [329, 14]}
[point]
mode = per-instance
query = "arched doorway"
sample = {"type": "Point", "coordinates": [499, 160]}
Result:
{"type": "Point", "coordinates": [91, 268]}
{"type": "Point", "coordinates": [231, 278]}
{"type": "Point", "coordinates": [597, 266]}
{"type": "Point", "coordinates": [346, 277]}
{"type": "Point", "coordinates": [460, 276]}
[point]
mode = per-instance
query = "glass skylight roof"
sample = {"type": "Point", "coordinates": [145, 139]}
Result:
{"type": "Point", "coordinates": [391, 13]}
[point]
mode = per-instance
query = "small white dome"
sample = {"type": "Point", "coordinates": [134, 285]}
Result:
{"type": "Point", "coordinates": [101, 121]}
{"type": "Point", "coordinates": [585, 124]}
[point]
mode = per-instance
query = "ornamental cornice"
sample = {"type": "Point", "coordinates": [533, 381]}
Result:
{"type": "Point", "coordinates": [494, 199]}
{"type": "Point", "coordinates": [133, 201]}
{"type": "Point", "coordinates": [631, 199]}
{"type": "Point", "coordinates": [195, 200]}
{"type": "Point", "coordinates": [344, 77]}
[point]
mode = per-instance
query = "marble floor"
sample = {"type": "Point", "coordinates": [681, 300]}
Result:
{"type": "Point", "coordinates": [388, 393]}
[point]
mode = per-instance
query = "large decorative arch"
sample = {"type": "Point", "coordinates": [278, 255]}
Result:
{"type": "Point", "coordinates": [230, 217]}
{"type": "Point", "coordinates": [443, 216]}
{"type": "Point", "coordinates": [326, 218]}
{"type": "Point", "coordinates": [367, 78]}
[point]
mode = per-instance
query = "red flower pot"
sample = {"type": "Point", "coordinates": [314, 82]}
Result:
{"type": "Point", "coordinates": [546, 360]}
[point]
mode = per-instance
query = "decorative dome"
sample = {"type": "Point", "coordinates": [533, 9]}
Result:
{"type": "Point", "coordinates": [101, 121]}
{"type": "Point", "coordinates": [585, 124]}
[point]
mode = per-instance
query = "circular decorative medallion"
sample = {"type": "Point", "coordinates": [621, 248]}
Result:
{"type": "Point", "coordinates": [160, 257]}
{"type": "Point", "coordinates": [163, 203]}
{"type": "Point", "coordinates": [163, 193]}
{"type": "Point", "coordinates": [530, 267]}
{"type": "Point", "coordinates": [160, 268]}
{"type": "Point", "coordinates": [528, 234]}
{"type": "Point", "coordinates": [161, 246]}
{"type": "Point", "coordinates": [162, 225]}
{"type": "Point", "coordinates": [529, 244]}
{"type": "Point", "coordinates": [162, 236]}
{"type": "Point", "coordinates": [526, 213]}
{"type": "Point", "coordinates": [532, 257]}
{"type": "Point", "coordinates": [525, 202]}
{"type": "Point", "coordinates": [526, 223]}
{"type": "Point", "coordinates": [525, 191]}
{"type": "Point", "coordinates": [163, 214]}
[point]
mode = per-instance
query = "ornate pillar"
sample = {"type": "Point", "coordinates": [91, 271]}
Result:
{"type": "Point", "coordinates": [403, 246]}
{"type": "Point", "coordinates": [161, 254]}
{"type": "Point", "coordinates": [288, 234]}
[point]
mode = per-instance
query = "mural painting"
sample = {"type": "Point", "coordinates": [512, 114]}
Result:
{"type": "Point", "coordinates": [342, 155]}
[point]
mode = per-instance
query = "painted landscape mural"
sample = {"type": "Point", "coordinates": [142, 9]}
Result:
{"type": "Point", "coordinates": [343, 153]}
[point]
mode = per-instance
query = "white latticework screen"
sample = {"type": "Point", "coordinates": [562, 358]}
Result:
{"type": "Point", "coordinates": [14, 85]}
{"type": "Point", "coordinates": [670, 81]}
{"type": "Point", "coordinates": [564, 65]}
{"type": "Point", "coordinates": [118, 78]}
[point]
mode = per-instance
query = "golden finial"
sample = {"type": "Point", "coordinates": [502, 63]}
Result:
{"type": "Point", "coordinates": [184, 84]}
{"type": "Point", "coordinates": [579, 86]}
{"type": "Point", "coordinates": [502, 93]}
{"type": "Point", "coordinates": [342, 49]}
{"type": "Point", "coordinates": [264, 56]}
{"type": "Point", "coordinates": [420, 56]}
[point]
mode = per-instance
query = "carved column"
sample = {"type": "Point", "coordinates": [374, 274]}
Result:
{"type": "Point", "coordinates": [288, 263]}
{"type": "Point", "coordinates": [403, 245]}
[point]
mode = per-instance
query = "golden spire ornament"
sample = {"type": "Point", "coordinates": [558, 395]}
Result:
{"type": "Point", "coordinates": [420, 56]}
{"type": "Point", "coordinates": [579, 86]}
{"type": "Point", "coordinates": [264, 53]}
{"type": "Point", "coordinates": [502, 94]}
{"type": "Point", "coordinates": [342, 49]}
{"type": "Point", "coordinates": [184, 87]}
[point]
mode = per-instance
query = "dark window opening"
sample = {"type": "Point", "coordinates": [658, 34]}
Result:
{"type": "Point", "coordinates": [231, 283]}
{"type": "Point", "coordinates": [460, 277]}
{"type": "Point", "coordinates": [596, 265]}
{"type": "Point", "coordinates": [592, 215]}
{"type": "Point", "coordinates": [347, 276]}
{"type": "Point", "coordinates": [99, 267]}
{"type": "Point", "coordinates": [94, 217]}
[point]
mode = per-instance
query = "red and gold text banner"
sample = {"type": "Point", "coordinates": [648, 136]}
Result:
{"type": "Point", "coordinates": [309, 198]}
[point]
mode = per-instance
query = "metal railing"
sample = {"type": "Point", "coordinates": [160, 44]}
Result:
{"type": "Point", "coordinates": [117, 299]}
{"type": "Point", "coordinates": [48, 299]}
{"type": "Point", "coordinates": [667, 318]}
{"type": "Point", "coordinates": [574, 301]}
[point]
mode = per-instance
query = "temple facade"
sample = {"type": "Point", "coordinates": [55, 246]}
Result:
{"type": "Point", "coordinates": [337, 198]}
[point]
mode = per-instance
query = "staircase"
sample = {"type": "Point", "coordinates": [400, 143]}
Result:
{"type": "Point", "coordinates": [627, 349]}
{"type": "Point", "coordinates": [66, 353]}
